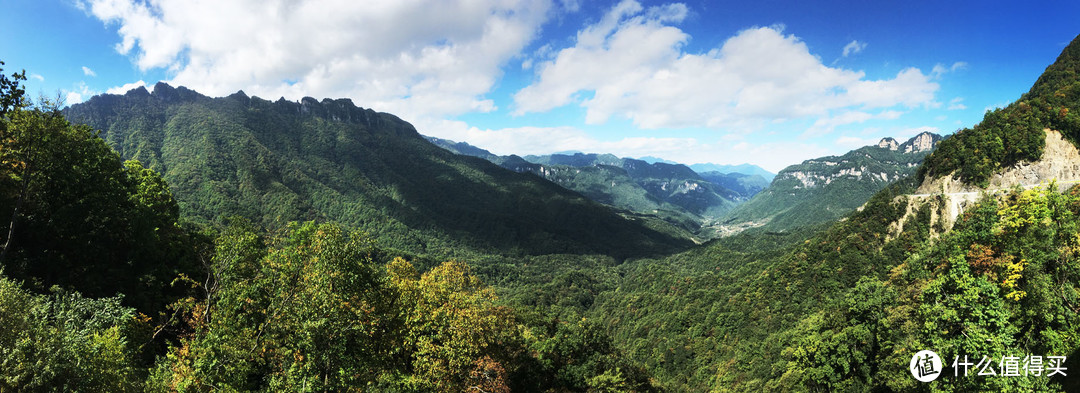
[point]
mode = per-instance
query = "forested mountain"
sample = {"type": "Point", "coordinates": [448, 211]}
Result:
{"type": "Point", "coordinates": [827, 188]}
{"type": "Point", "coordinates": [672, 192]}
{"type": "Point", "coordinates": [276, 162]}
{"type": "Point", "coordinates": [846, 309]}
{"type": "Point", "coordinates": [105, 287]}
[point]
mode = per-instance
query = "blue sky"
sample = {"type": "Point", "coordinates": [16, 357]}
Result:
{"type": "Point", "coordinates": [766, 82]}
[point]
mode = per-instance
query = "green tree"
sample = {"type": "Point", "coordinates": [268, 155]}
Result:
{"type": "Point", "coordinates": [451, 325]}
{"type": "Point", "coordinates": [305, 315]}
{"type": "Point", "coordinates": [66, 342]}
{"type": "Point", "coordinates": [82, 219]}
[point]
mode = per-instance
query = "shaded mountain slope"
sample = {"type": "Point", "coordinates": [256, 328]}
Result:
{"type": "Point", "coordinates": [280, 161]}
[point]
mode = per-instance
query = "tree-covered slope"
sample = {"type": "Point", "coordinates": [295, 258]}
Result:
{"type": "Point", "coordinates": [1015, 134]}
{"type": "Point", "coordinates": [847, 308]}
{"type": "Point", "coordinates": [281, 161]}
{"type": "Point", "coordinates": [828, 188]}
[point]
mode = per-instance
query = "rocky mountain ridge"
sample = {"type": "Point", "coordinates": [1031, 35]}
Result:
{"type": "Point", "coordinates": [329, 160]}
{"type": "Point", "coordinates": [827, 188]}
{"type": "Point", "coordinates": [823, 171]}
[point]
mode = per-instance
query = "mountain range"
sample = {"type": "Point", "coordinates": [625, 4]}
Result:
{"type": "Point", "coordinates": [673, 192]}
{"type": "Point", "coordinates": [713, 203]}
{"type": "Point", "coordinates": [282, 161]}
{"type": "Point", "coordinates": [828, 188]}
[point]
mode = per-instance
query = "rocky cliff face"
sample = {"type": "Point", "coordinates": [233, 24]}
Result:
{"type": "Point", "coordinates": [1060, 161]}
{"type": "Point", "coordinates": [863, 164]}
{"type": "Point", "coordinates": [950, 197]}
{"type": "Point", "coordinates": [888, 143]}
{"type": "Point", "coordinates": [920, 143]}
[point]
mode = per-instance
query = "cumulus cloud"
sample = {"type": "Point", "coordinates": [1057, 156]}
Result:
{"type": "Point", "coordinates": [632, 64]}
{"type": "Point", "coordinates": [88, 72]}
{"type": "Point", "coordinates": [853, 47]}
{"type": "Point", "coordinates": [79, 93]}
{"type": "Point", "coordinates": [956, 104]}
{"type": "Point", "coordinates": [424, 57]}
{"type": "Point", "coordinates": [126, 87]}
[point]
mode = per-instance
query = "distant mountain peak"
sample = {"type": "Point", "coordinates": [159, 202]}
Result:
{"type": "Point", "coordinates": [888, 143]}
{"type": "Point", "coordinates": [827, 188]}
{"type": "Point", "coordinates": [653, 160]}
{"type": "Point", "coordinates": [925, 141]}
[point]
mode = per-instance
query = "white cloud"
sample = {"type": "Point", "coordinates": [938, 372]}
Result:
{"type": "Point", "coordinates": [956, 104]}
{"type": "Point", "coordinates": [632, 64]}
{"type": "Point", "coordinates": [825, 125]}
{"type": "Point", "coordinates": [940, 70]}
{"type": "Point", "coordinates": [570, 5]}
{"type": "Point", "coordinates": [424, 57]}
{"type": "Point", "coordinates": [37, 77]}
{"type": "Point", "coordinates": [853, 47]}
{"type": "Point", "coordinates": [126, 87]}
{"type": "Point", "coordinates": [78, 94]}
{"type": "Point", "coordinates": [88, 72]}
{"type": "Point", "coordinates": [73, 98]}
{"type": "Point", "coordinates": [851, 142]}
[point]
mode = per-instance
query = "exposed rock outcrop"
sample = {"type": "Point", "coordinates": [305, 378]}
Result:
{"type": "Point", "coordinates": [1060, 161]}
{"type": "Point", "coordinates": [888, 143]}
{"type": "Point", "coordinates": [925, 141]}
{"type": "Point", "coordinates": [950, 197]}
